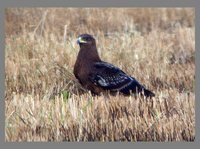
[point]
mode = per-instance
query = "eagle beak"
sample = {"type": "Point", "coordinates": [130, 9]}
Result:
{"type": "Point", "coordinates": [80, 40]}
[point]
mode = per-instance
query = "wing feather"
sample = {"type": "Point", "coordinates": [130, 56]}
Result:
{"type": "Point", "coordinates": [110, 77]}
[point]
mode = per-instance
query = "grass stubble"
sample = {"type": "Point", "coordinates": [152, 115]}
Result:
{"type": "Point", "coordinates": [44, 102]}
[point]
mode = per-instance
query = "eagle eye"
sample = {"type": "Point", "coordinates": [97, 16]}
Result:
{"type": "Point", "coordinates": [87, 38]}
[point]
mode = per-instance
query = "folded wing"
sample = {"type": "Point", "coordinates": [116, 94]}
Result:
{"type": "Point", "coordinates": [112, 78]}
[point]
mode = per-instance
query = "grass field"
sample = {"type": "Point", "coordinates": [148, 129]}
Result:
{"type": "Point", "coordinates": [44, 101]}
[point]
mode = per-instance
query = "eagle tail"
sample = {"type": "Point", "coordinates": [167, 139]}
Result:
{"type": "Point", "coordinates": [148, 93]}
{"type": "Point", "coordinates": [135, 87]}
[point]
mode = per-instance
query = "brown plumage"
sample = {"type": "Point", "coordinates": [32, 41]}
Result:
{"type": "Point", "coordinates": [99, 76]}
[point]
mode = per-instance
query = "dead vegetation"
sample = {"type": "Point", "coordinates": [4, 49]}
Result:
{"type": "Point", "coordinates": [42, 97]}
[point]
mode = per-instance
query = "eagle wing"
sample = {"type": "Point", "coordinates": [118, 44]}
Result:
{"type": "Point", "coordinates": [110, 77]}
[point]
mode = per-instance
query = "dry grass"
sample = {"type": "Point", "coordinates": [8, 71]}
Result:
{"type": "Point", "coordinates": [42, 101]}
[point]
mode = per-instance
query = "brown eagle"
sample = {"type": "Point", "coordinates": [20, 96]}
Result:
{"type": "Point", "coordinates": [99, 76]}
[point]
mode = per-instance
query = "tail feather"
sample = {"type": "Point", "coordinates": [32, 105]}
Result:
{"type": "Point", "coordinates": [135, 87]}
{"type": "Point", "coordinates": [148, 93]}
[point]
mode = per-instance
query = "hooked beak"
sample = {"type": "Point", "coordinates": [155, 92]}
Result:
{"type": "Point", "coordinates": [80, 40]}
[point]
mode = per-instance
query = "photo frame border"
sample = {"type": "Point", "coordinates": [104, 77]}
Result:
{"type": "Point", "coordinates": [99, 3]}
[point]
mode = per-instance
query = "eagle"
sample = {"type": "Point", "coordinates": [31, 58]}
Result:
{"type": "Point", "coordinates": [99, 76]}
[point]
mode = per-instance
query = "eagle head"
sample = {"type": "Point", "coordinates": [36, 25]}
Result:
{"type": "Point", "coordinates": [85, 39]}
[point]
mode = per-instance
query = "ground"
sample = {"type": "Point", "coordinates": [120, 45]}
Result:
{"type": "Point", "coordinates": [44, 101]}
